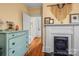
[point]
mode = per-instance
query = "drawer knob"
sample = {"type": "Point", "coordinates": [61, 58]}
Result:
{"type": "Point", "coordinates": [26, 46]}
{"type": "Point", "coordinates": [12, 35]}
{"type": "Point", "coordinates": [13, 51]}
{"type": "Point", "coordinates": [13, 43]}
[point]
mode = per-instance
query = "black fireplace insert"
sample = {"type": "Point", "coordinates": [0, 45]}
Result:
{"type": "Point", "coordinates": [60, 46]}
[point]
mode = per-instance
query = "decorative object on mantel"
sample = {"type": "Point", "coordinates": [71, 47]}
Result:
{"type": "Point", "coordinates": [51, 21]}
{"type": "Point", "coordinates": [61, 10]}
{"type": "Point", "coordinates": [46, 20]}
{"type": "Point", "coordinates": [74, 18]}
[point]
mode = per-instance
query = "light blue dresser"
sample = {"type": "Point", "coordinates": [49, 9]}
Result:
{"type": "Point", "coordinates": [13, 43]}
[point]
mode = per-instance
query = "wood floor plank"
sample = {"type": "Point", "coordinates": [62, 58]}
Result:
{"type": "Point", "coordinates": [35, 48]}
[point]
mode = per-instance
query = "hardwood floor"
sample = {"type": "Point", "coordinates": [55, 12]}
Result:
{"type": "Point", "coordinates": [35, 48]}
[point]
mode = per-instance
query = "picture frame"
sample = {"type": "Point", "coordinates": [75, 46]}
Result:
{"type": "Point", "coordinates": [47, 20]}
{"type": "Point", "coordinates": [74, 18]}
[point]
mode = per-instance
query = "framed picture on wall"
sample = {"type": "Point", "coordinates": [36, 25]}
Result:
{"type": "Point", "coordinates": [74, 18]}
{"type": "Point", "coordinates": [47, 20]}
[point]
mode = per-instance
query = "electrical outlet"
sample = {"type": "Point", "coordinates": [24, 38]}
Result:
{"type": "Point", "coordinates": [47, 49]}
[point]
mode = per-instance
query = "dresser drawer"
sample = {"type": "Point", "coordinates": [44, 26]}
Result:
{"type": "Point", "coordinates": [17, 51]}
{"type": "Point", "coordinates": [12, 35]}
{"type": "Point", "coordinates": [21, 40]}
{"type": "Point", "coordinates": [13, 43]}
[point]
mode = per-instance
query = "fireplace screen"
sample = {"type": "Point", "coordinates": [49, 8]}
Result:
{"type": "Point", "coordinates": [60, 45]}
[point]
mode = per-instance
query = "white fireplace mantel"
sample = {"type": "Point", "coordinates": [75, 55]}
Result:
{"type": "Point", "coordinates": [71, 30]}
{"type": "Point", "coordinates": [61, 24]}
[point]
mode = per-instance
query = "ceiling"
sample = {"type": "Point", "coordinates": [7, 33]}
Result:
{"type": "Point", "coordinates": [33, 5]}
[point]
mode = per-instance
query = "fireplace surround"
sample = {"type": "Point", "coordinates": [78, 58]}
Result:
{"type": "Point", "coordinates": [70, 31]}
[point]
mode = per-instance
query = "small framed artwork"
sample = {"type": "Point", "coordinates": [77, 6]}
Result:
{"type": "Point", "coordinates": [51, 21]}
{"type": "Point", "coordinates": [47, 20]}
{"type": "Point", "coordinates": [74, 18]}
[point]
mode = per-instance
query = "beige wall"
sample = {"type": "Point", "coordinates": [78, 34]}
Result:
{"type": "Point", "coordinates": [35, 11]}
{"type": "Point", "coordinates": [12, 12]}
{"type": "Point", "coordinates": [47, 13]}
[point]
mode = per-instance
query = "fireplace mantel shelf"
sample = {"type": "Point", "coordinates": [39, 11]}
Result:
{"type": "Point", "coordinates": [61, 24]}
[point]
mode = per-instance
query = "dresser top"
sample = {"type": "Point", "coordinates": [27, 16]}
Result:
{"type": "Point", "coordinates": [12, 31]}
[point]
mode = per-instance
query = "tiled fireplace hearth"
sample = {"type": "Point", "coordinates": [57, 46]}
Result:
{"type": "Point", "coordinates": [61, 39]}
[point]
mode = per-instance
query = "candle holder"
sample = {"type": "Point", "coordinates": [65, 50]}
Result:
{"type": "Point", "coordinates": [51, 21]}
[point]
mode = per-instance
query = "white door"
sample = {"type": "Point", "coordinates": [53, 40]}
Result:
{"type": "Point", "coordinates": [27, 23]}
{"type": "Point", "coordinates": [38, 26]}
{"type": "Point", "coordinates": [35, 27]}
